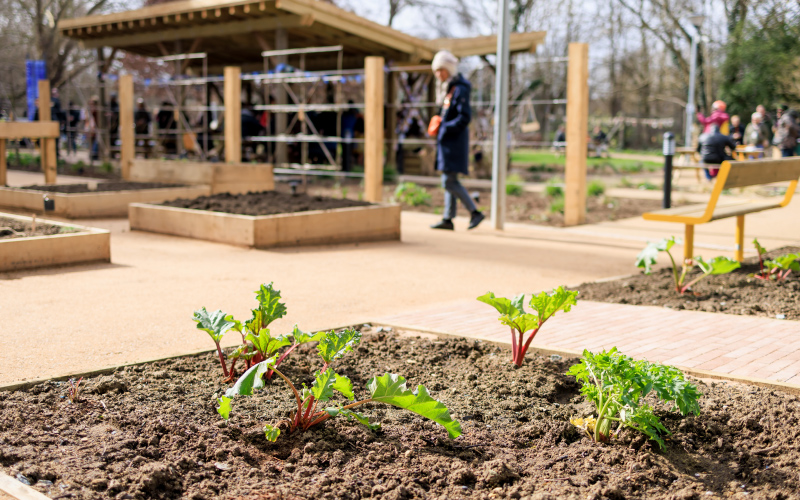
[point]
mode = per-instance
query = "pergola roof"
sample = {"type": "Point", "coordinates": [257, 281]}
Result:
{"type": "Point", "coordinates": [232, 32]}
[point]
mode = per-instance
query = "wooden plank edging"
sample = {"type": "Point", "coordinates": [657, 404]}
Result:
{"type": "Point", "coordinates": [17, 490]}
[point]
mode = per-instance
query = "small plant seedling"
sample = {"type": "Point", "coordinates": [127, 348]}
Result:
{"type": "Point", "coordinates": [716, 266]}
{"type": "Point", "coordinates": [411, 194]}
{"type": "Point", "coordinates": [556, 206]}
{"type": "Point", "coordinates": [389, 388]}
{"type": "Point", "coordinates": [617, 385]}
{"type": "Point", "coordinates": [258, 343]}
{"type": "Point", "coordinates": [515, 185]}
{"type": "Point", "coordinates": [553, 189]}
{"type": "Point", "coordinates": [512, 314]}
{"type": "Point", "coordinates": [778, 268]}
{"type": "Point", "coordinates": [763, 272]}
{"type": "Point", "coordinates": [74, 390]}
{"type": "Point", "coordinates": [595, 189]}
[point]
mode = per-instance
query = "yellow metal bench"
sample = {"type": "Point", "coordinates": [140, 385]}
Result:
{"type": "Point", "coordinates": [734, 174]}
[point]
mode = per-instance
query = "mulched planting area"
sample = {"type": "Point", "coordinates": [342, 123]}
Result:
{"type": "Point", "coordinates": [734, 293]}
{"type": "Point", "coordinates": [15, 228]}
{"type": "Point", "coordinates": [151, 431]}
{"type": "Point", "coordinates": [263, 203]}
{"type": "Point", "coordinates": [101, 187]}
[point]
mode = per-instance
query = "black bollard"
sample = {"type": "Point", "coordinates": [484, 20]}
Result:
{"type": "Point", "coordinates": [669, 152]}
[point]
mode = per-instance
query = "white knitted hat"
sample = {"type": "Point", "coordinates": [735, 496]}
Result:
{"type": "Point", "coordinates": [444, 59]}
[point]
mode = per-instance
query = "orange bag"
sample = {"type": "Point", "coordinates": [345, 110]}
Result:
{"type": "Point", "coordinates": [433, 126]}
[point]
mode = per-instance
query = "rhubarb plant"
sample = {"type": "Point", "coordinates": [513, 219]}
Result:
{"type": "Point", "coordinates": [716, 266]}
{"type": "Point", "coordinates": [618, 386]}
{"type": "Point", "coordinates": [258, 343]}
{"type": "Point", "coordinates": [778, 268]}
{"type": "Point", "coordinates": [316, 404]}
{"type": "Point", "coordinates": [513, 315]}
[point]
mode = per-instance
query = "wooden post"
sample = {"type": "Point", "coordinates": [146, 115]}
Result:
{"type": "Point", "coordinates": [391, 120]}
{"type": "Point", "coordinates": [577, 131]}
{"type": "Point", "coordinates": [233, 114]}
{"type": "Point", "coordinates": [127, 150]}
{"type": "Point", "coordinates": [48, 145]}
{"type": "Point", "coordinates": [3, 180]}
{"type": "Point", "coordinates": [740, 238]}
{"type": "Point", "coordinates": [688, 242]}
{"type": "Point", "coordinates": [373, 128]}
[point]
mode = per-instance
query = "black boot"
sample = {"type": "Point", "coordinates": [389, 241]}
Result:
{"type": "Point", "coordinates": [477, 218]}
{"type": "Point", "coordinates": [444, 224]}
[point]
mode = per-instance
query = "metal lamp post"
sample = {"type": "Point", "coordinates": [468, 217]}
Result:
{"type": "Point", "coordinates": [500, 153]}
{"type": "Point", "coordinates": [696, 21]}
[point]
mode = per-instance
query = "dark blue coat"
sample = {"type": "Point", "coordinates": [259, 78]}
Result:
{"type": "Point", "coordinates": [452, 151]}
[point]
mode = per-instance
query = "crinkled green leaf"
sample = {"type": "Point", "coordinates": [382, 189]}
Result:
{"type": "Point", "coordinates": [271, 433]}
{"type": "Point", "coordinates": [251, 380]}
{"type": "Point", "coordinates": [648, 256]}
{"type": "Point", "coordinates": [325, 383]}
{"type": "Point", "coordinates": [391, 389]}
{"type": "Point", "coordinates": [504, 306]}
{"type": "Point", "coordinates": [266, 344]}
{"type": "Point", "coordinates": [301, 337]}
{"type": "Point", "coordinates": [547, 304]}
{"type": "Point", "coordinates": [717, 265]}
{"type": "Point", "coordinates": [333, 345]}
{"type": "Point", "coordinates": [761, 250]}
{"type": "Point", "coordinates": [269, 304]}
{"type": "Point", "coordinates": [344, 385]}
{"type": "Point", "coordinates": [784, 262]}
{"type": "Point", "coordinates": [523, 323]}
{"type": "Point", "coordinates": [362, 419]}
{"type": "Point", "coordinates": [215, 323]}
{"type": "Point", "coordinates": [224, 407]}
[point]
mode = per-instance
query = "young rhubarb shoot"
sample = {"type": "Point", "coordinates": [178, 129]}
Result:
{"type": "Point", "coordinates": [618, 385]}
{"type": "Point", "coordinates": [781, 267]}
{"type": "Point", "coordinates": [512, 314]}
{"type": "Point", "coordinates": [718, 265]}
{"type": "Point", "coordinates": [215, 324]}
{"type": "Point", "coordinates": [313, 402]}
{"type": "Point", "coordinates": [763, 272]}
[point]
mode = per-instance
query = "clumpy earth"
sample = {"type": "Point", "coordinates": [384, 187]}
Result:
{"type": "Point", "coordinates": [263, 203]}
{"type": "Point", "coordinates": [15, 228]}
{"type": "Point", "coordinates": [101, 187]}
{"type": "Point", "coordinates": [151, 431]}
{"type": "Point", "coordinates": [734, 293]}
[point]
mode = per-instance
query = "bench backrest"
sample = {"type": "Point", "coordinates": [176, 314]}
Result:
{"type": "Point", "coordinates": [757, 172]}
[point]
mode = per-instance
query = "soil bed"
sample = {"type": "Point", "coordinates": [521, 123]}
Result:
{"type": "Point", "coordinates": [151, 431]}
{"type": "Point", "coordinates": [15, 228]}
{"type": "Point", "coordinates": [101, 187]}
{"type": "Point", "coordinates": [532, 208]}
{"type": "Point", "coordinates": [263, 203]}
{"type": "Point", "coordinates": [734, 293]}
{"type": "Point", "coordinates": [64, 168]}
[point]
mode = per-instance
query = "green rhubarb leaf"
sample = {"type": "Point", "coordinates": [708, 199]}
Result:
{"type": "Point", "coordinates": [648, 256]}
{"type": "Point", "coordinates": [333, 345]}
{"type": "Point", "coordinates": [271, 433]}
{"type": "Point", "coordinates": [301, 337]}
{"type": "Point", "coordinates": [547, 304]}
{"type": "Point", "coordinates": [344, 385]}
{"type": "Point", "coordinates": [522, 323]}
{"type": "Point", "coordinates": [391, 389]}
{"type": "Point", "coordinates": [717, 265]}
{"type": "Point", "coordinates": [251, 380]}
{"type": "Point", "coordinates": [785, 262]}
{"type": "Point", "coordinates": [325, 383]}
{"type": "Point", "coordinates": [269, 304]}
{"type": "Point", "coordinates": [266, 344]}
{"type": "Point", "coordinates": [224, 407]}
{"type": "Point", "coordinates": [362, 419]}
{"type": "Point", "coordinates": [761, 250]}
{"type": "Point", "coordinates": [215, 323]}
{"type": "Point", "coordinates": [506, 307]}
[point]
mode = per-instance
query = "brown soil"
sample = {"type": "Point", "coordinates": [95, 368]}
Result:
{"type": "Point", "coordinates": [151, 431]}
{"type": "Point", "coordinates": [531, 208]}
{"type": "Point", "coordinates": [67, 169]}
{"type": "Point", "coordinates": [263, 203]}
{"type": "Point", "coordinates": [734, 293]}
{"type": "Point", "coordinates": [101, 187]}
{"type": "Point", "coordinates": [15, 228]}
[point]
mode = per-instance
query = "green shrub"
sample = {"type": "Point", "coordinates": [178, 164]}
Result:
{"type": "Point", "coordinates": [514, 185]}
{"type": "Point", "coordinates": [553, 188]}
{"type": "Point", "coordinates": [626, 183]}
{"type": "Point", "coordinates": [647, 186]}
{"type": "Point", "coordinates": [411, 194]}
{"type": "Point", "coordinates": [556, 206]}
{"type": "Point", "coordinates": [596, 188]}
{"type": "Point", "coordinates": [107, 167]}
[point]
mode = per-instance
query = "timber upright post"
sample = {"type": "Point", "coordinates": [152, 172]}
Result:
{"type": "Point", "coordinates": [373, 129]}
{"type": "Point", "coordinates": [47, 145]}
{"type": "Point", "coordinates": [127, 136]}
{"type": "Point", "coordinates": [233, 114]}
{"type": "Point", "coordinates": [577, 131]}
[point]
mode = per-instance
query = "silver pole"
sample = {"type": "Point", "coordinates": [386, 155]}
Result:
{"type": "Point", "coordinates": [692, 78]}
{"type": "Point", "coordinates": [500, 152]}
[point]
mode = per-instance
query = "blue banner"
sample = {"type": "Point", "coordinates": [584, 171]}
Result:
{"type": "Point", "coordinates": [35, 70]}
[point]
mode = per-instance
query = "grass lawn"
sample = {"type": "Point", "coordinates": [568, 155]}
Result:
{"type": "Point", "coordinates": [545, 161]}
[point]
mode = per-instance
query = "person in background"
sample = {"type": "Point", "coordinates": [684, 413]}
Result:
{"type": "Point", "coordinates": [599, 140]}
{"type": "Point", "coordinates": [736, 130]}
{"type": "Point", "coordinates": [348, 127]}
{"type": "Point", "coordinates": [717, 117]}
{"type": "Point", "coordinates": [91, 127]}
{"type": "Point", "coordinates": [452, 137]}
{"type": "Point", "coordinates": [73, 122]}
{"type": "Point", "coordinates": [165, 119]}
{"type": "Point", "coordinates": [713, 148]}
{"type": "Point", "coordinates": [766, 122]}
{"type": "Point", "coordinates": [754, 132]}
{"type": "Point", "coordinates": [561, 135]}
{"type": "Point", "coordinates": [786, 133]}
{"type": "Point", "coordinates": [113, 120]}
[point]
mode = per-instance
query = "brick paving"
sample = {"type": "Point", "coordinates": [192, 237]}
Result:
{"type": "Point", "coordinates": [726, 344]}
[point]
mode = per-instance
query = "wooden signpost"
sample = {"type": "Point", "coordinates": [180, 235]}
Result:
{"type": "Point", "coordinates": [373, 128]}
{"type": "Point", "coordinates": [577, 132]}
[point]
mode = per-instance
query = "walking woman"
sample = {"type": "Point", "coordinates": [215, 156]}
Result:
{"type": "Point", "coordinates": [451, 129]}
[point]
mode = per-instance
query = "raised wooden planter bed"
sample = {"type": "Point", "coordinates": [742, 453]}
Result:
{"type": "Point", "coordinates": [86, 244]}
{"type": "Point", "coordinates": [222, 177]}
{"type": "Point", "coordinates": [319, 227]}
{"type": "Point", "coordinates": [94, 204]}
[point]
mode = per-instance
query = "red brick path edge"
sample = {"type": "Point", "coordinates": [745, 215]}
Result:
{"type": "Point", "coordinates": [748, 349]}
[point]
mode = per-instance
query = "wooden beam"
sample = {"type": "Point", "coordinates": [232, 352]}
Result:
{"type": "Point", "coordinates": [391, 120]}
{"type": "Point", "coordinates": [126, 126]}
{"type": "Point", "coordinates": [373, 128]}
{"type": "Point", "coordinates": [33, 130]}
{"type": "Point", "coordinates": [577, 131]}
{"type": "Point", "coordinates": [48, 145]}
{"type": "Point", "coordinates": [233, 114]}
{"type": "Point", "coordinates": [3, 166]}
{"type": "Point", "coordinates": [202, 31]}
{"type": "Point", "coordinates": [193, 49]}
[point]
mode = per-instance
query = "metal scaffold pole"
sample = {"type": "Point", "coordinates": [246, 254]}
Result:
{"type": "Point", "coordinates": [500, 152]}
